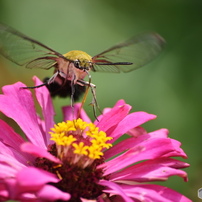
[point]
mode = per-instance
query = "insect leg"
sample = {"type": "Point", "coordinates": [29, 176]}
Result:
{"type": "Point", "coordinates": [72, 94]}
{"type": "Point", "coordinates": [73, 91]}
{"type": "Point", "coordinates": [94, 102]}
{"type": "Point", "coordinates": [32, 87]}
{"type": "Point", "coordinates": [93, 87]}
{"type": "Point", "coordinates": [51, 80]}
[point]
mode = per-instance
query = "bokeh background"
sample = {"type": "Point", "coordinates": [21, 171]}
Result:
{"type": "Point", "coordinates": [170, 86]}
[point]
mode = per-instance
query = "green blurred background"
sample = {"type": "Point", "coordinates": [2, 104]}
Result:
{"type": "Point", "coordinates": [170, 86]}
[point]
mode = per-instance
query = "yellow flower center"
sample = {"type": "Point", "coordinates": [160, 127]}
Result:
{"type": "Point", "coordinates": [79, 142]}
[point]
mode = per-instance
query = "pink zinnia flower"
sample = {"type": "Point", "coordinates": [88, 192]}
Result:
{"type": "Point", "coordinates": [75, 161]}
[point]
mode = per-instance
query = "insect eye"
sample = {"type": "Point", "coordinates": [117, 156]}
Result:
{"type": "Point", "coordinates": [77, 64]}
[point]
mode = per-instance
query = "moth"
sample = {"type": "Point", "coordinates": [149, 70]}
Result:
{"type": "Point", "coordinates": [70, 69]}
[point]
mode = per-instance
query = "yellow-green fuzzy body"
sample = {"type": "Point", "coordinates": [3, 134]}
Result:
{"type": "Point", "coordinates": [84, 59]}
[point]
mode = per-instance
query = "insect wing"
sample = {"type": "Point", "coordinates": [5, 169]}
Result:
{"type": "Point", "coordinates": [129, 55]}
{"type": "Point", "coordinates": [25, 51]}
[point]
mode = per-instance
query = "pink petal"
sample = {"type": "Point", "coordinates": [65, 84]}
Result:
{"type": "Point", "coordinates": [114, 188]}
{"type": "Point", "coordinates": [161, 133]}
{"type": "Point", "coordinates": [137, 131]}
{"type": "Point", "coordinates": [10, 143]}
{"type": "Point", "coordinates": [44, 100]}
{"type": "Point", "coordinates": [32, 179]}
{"type": "Point", "coordinates": [18, 104]}
{"type": "Point", "coordinates": [13, 159]}
{"type": "Point", "coordinates": [120, 103]}
{"type": "Point", "coordinates": [12, 191]}
{"type": "Point", "coordinates": [38, 152]}
{"type": "Point", "coordinates": [127, 144]}
{"type": "Point", "coordinates": [9, 137]}
{"type": "Point", "coordinates": [131, 121]}
{"type": "Point", "coordinates": [177, 151]}
{"type": "Point", "coordinates": [157, 193]}
{"type": "Point", "coordinates": [142, 139]}
{"type": "Point", "coordinates": [10, 187]}
{"type": "Point", "coordinates": [151, 170]}
{"type": "Point", "coordinates": [113, 117]}
{"type": "Point", "coordinates": [50, 193]}
{"type": "Point", "coordinates": [150, 149]}
{"type": "Point", "coordinates": [89, 200]}
{"type": "Point", "coordinates": [121, 161]}
{"type": "Point", "coordinates": [6, 171]}
{"type": "Point", "coordinates": [68, 113]}
{"type": "Point", "coordinates": [28, 181]}
{"type": "Point", "coordinates": [3, 192]}
{"type": "Point", "coordinates": [106, 110]}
